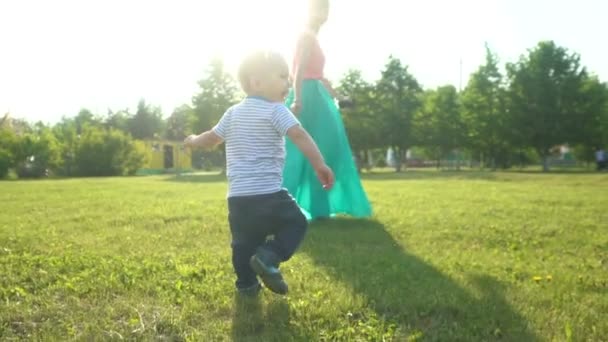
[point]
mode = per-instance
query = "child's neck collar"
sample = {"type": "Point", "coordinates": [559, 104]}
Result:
{"type": "Point", "coordinates": [258, 97]}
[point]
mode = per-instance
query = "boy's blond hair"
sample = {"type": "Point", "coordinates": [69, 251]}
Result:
{"type": "Point", "coordinates": [258, 64]}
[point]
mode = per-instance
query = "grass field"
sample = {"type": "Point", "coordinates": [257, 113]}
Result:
{"type": "Point", "coordinates": [461, 256]}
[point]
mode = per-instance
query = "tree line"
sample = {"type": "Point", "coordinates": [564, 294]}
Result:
{"type": "Point", "coordinates": [505, 116]}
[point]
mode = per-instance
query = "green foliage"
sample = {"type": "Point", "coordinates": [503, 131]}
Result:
{"type": "Point", "coordinates": [488, 126]}
{"type": "Point", "coordinates": [67, 136]}
{"type": "Point", "coordinates": [217, 93]}
{"type": "Point", "coordinates": [398, 93]}
{"type": "Point", "coordinates": [147, 122]}
{"type": "Point", "coordinates": [9, 144]}
{"type": "Point", "coordinates": [439, 125]}
{"type": "Point", "coordinates": [584, 153]}
{"type": "Point", "coordinates": [136, 158]}
{"type": "Point", "coordinates": [83, 119]}
{"type": "Point", "coordinates": [119, 120]}
{"type": "Point", "coordinates": [39, 154]}
{"type": "Point", "coordinates": [591, 130]}
{"type": "Point", "coordinates": [360, 122]}
{"type": "Point", "coordinates": [5, 162]}
{"type": "Point", "coordinates": [547, 98]}
{"type": "Point", "coordinates": [179, 124]}
{"type": "Point", "coordinates": [110, 152]}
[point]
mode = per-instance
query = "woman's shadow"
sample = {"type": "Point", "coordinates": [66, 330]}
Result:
{"type": "Point", "coordinates": [399, 287]}
{"type": "Point", "coordinates": [407, 291]}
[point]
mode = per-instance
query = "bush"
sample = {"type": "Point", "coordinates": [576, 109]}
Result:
{"type": "Point", "coordinates": [110, 152]}
{"type": "Point", "coordinates": [584, 153]}
{"type": "Point", "coordinates": [136, 159]}
{"type": "Point", "coordinates": [5, 162]}
{"type": "Point", "coordinates": [38, 154]}
{"type": "Point", "coordinates": [32, 169]}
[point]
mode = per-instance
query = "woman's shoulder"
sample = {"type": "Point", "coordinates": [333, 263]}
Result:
{"type": "Point", "coordinates": [307, 37]}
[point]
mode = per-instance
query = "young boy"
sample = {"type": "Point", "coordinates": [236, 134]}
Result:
{"type": "Point", "coordinates": [254, 132]}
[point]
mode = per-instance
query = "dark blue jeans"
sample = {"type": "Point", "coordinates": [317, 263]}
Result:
{"type": "Point", "coordinates": [272, 221]}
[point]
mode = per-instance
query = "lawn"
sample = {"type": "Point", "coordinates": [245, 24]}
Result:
{"type": "Point", "coordinates": [448, 256]}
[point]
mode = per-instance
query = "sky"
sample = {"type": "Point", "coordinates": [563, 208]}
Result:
{"type": "Point", "coordinates": [59, 56]}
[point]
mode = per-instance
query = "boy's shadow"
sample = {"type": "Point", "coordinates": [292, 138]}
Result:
{"type": "Point", "coordinates": [250, 323]}
{"type": "Point", "coordinates": [247, 322]}
{"type": "Point", "coordinates": [408, 292]}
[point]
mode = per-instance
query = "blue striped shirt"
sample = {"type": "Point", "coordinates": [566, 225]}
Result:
{"type": "Point", "coordinates": [254, 132]}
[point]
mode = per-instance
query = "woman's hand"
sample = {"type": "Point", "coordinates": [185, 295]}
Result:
{"type": "Point", "coordinates": [330, 89]}
{"type": "Point", "coordinates": [345, 102]}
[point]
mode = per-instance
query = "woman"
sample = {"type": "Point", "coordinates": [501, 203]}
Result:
{"type": "Point", "coordinates": [313, 100]}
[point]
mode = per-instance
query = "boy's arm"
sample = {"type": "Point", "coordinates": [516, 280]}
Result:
{"type": "Point", "coordinates": [308, 147]}
{"type": "Point", "coordinates": [286, 124]}
{"type": "Point", "coordinates": [304, 142]}
{"type": "Point", "coordinates": [212, 137]}
{"type": "Point", "coordinates": [205, 140]}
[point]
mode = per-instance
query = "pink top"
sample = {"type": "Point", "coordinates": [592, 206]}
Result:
{"type": "Point", "coordinates": [316, 61]}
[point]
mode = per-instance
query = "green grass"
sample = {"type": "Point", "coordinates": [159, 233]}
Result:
{"type": "Point", "coordinates": [448, 256]}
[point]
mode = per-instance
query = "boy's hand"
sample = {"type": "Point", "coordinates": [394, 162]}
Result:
{"type": "Point", "coordinates": [326, 176]}
{"type": "Point", "coordinates": [204, 140]}
{"type": "Point", "coordinates": [308, 147]}
{"type": "Point", "coordinates": [189, 141]}
{"type": "Point", "coordinates": [296, 107]}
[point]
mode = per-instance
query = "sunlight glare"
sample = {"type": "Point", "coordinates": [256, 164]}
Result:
{"type": "Point", "coordinates": [246, 25]}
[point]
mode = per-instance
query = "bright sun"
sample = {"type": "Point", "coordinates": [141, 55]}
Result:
{"type": "Point", "coordinates": [242, 25]}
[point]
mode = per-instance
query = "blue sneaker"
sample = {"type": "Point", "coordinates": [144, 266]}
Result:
{"type": "Point", "coordinates": [265, 264]}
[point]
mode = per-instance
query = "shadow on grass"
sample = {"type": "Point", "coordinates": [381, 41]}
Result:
{"type": "Point", "coordinates": [248, 318]}
{"type": "Point", "coordinates": [406, 291]}
{"type": "Point", "coordinates": [249, 322]}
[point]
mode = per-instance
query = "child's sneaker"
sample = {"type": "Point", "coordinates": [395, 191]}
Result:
{"type": "Point", "coordinates": [251, 291]}
{"type": "Point", "coordinates": [265, 264]}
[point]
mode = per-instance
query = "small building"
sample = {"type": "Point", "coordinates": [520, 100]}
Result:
{"type": "Point", "coordinates": [164, 156]}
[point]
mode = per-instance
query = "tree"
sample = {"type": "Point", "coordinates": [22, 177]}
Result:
{"type": "Point", "coordinates": [5, 162]}
{"type": "Point", "coordinates": [118, 120]}
{"type": "Point", "coordinates": [359, 120]}
{"type": "Point", "coordinates": [439, 124]}
{"type": "Point", "coordinates": [603, 120]}
{"type": "Point", "coordinates": [485, 115]}
{"type": "Point", "coordinates": [8, 144]}
{"type": "Point", "coordinates": [66, 133]}
{"type": "Point", "coordinates": [85, 118]}
{"type": "Point", "coordinates": [399, 98]}
{"type": "Point", "coordinates": [546, 91]}
{"type": "Point", "coordinates": [217, 93]}
{"type": "Point", "coordinates": [592, 129]}
{"type": "Point", "coordinates": [147, 121]}
{"type": "Point", "coordinates": [4, 120]}
{"type": "Point", "coordinates": [179, 124]}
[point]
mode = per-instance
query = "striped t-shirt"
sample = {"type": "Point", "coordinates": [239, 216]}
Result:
{"type": "Point", "coordinates": [254, 132]}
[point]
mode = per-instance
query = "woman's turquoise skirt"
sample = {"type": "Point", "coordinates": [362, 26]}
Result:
{"type": "Point", "coordinates": [321, 118]}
